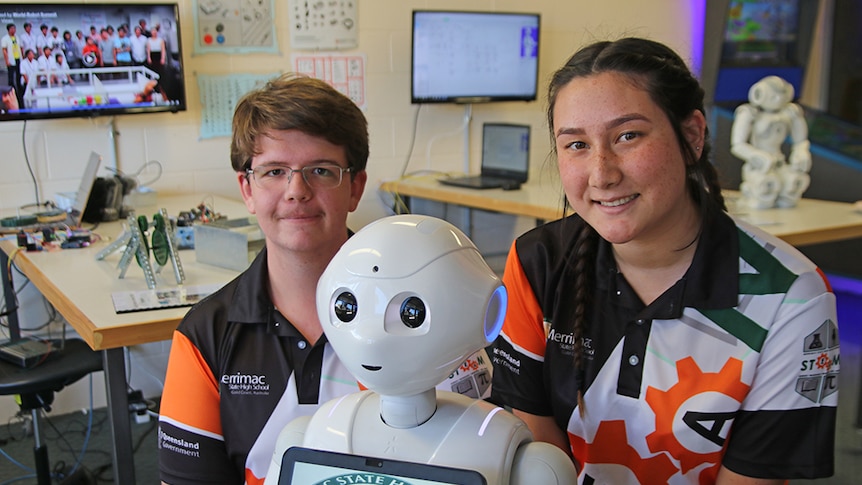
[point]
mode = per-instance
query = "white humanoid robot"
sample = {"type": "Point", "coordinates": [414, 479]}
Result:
{"type": "Point", "coordinates": [759, 129]}
{"type": "Point", "coordinates": [403, 303]}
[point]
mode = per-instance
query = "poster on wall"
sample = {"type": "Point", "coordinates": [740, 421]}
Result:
{"type": "Point", "coordinates": [346, 73]}
{"type": "Point", "coordinates": [219, 95]}
{"type": "Point", "coordinates": [323, 24]}
{"type": "Point", "coordinates": [234, 26]}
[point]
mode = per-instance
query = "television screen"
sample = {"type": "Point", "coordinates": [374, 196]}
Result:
{"type": "Point", "coordinates": [90, 59]}
{"type": "Point", "coordinates": [761, 32]}
{"type": "Point", "coordinates": [845, 68]}
{"type": "Point", "coordinates": [474, 57]}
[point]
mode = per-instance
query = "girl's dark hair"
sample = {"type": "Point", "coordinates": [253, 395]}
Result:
{"type": "Point", "coordinates": [660, 72]}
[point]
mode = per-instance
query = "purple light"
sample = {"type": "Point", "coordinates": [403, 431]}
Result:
{"type": "Point", "coordinates": [698, 24]}
{"type": "Point", "coordinates": [844, 284]}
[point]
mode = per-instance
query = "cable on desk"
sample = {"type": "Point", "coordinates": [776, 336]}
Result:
{"type": "Point", "coordinates": [399, 205]}
{"type": "Point", "coordinates": [412, 142]}
{"type": "Point", "coordinates": [156, 178]}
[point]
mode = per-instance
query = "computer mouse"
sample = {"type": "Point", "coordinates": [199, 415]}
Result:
{"type": "Point", "coordinates": [511, 186]}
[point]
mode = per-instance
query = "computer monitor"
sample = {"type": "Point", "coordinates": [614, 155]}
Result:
{"type": "Point", "coordinates": [474, 57]}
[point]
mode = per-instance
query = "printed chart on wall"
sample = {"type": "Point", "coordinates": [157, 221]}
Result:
{"type": "Point", "coordinates": [219, 95]}
{"type": "Point", "coordinates": [323, 24]}
{"type": "Point", "coordinates": [234, 26]}
{"type": "Point", "coordinates": [346, 73]}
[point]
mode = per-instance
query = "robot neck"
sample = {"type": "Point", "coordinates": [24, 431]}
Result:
{"type": "Point", "coordinates": [408, 411]}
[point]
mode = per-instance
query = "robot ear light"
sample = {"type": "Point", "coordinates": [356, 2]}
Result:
{"type": "Point", "coordinates": [496, 313]}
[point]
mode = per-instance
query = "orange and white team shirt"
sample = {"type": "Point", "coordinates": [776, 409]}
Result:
{"type": "Point", "coordinates": [734, 365]}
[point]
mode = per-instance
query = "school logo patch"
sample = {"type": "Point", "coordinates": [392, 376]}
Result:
{"type": "Point", "coordinates": [818, 372]}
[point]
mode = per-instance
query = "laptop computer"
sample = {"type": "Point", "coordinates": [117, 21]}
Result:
{"type": "Point", "coordinates": [74, 203]}
{"type": "Point", "coordinates": [505, 158]}
{"type": "Point", "coordinates": [307, 466]}
{"type": "Point", "coordinates": [69, 209]}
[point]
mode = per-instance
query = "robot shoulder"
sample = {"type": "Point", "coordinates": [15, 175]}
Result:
{"type": "Point", "coordinates": [332, 425]}
{"type": "Point", "coordinates": [747, 111]}
{"type": "Point", "coordinates": [794, 110]}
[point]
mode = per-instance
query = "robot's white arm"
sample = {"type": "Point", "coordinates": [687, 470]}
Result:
{"type": "Point", "coordinates": [540, 462]}
{"type": "Point", "coordinates": [291, 435]}
{"type": "Point", "coordinates": [800, 151]}
{"type": "Point", "coordinates": [798, 125]}
{"type": "Point", "coordinates": [740, 137]}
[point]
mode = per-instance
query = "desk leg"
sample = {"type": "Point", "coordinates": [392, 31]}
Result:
{"type": "Point", "coordinates": [404, 207]}
{"type": "Point", "coordinates": [10, 298]}
{"type": "Point", "coordinates": [114, 361]}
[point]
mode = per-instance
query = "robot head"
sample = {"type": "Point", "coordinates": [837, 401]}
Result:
{"type": "Point", "coordinates": [771, 93]}
{"type": "Point", "coordinates": [406, 300]}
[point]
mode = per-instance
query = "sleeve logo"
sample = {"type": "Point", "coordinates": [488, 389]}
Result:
{"type": "Point", "coordinates": [818, 371]}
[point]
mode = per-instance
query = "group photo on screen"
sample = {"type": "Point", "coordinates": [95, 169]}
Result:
{"type": "Point", "coordinates": [90, 59]}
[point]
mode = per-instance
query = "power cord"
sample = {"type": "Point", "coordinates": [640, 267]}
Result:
{"type": "Point", "coordinates": [412, 141]}
{"type": "Point", "coordinates": [59, 470]}
{"type": "Point", "coordinates": [130, 182]}
{"type": "Point", "coordinates": [149, 182]}
{"type": "Point", "coordinates": [29, 166]}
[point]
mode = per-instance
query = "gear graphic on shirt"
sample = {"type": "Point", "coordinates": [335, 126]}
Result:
{"type": "Point", "coordinates": [667, 406]}
{"type": "Point", "coordinates": [611, 446]}
{"type": "Point", "coordinates": [823, 362]}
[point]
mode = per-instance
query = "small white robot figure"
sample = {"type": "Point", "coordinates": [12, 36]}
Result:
{"type": "Point", "coordinates": [759, 129]}
{"type": "Point", "coordinates": [403, 303]}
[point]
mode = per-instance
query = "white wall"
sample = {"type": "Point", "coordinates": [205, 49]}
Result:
{"type": "Point", "coordinates": [58, 149]}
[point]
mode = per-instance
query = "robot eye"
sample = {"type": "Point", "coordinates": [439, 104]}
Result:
{"type": "Point", "coordinates": [345, 307]}
{"type": "Point", "coordinates": [413, 312]}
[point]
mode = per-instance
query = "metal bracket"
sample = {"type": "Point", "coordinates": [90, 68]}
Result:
{"type": "Point", "coordinates": [135, 238]}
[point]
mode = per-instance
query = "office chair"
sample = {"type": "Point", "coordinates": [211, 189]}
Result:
{"type": "Point", "coordinates": [36, 386]}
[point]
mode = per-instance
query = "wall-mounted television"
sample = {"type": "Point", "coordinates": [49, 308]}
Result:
{"type": "Point", "coordinates": [132, 63]}
{"type": "Point", "coordinates": [761, 32]}
{"type": "Point", "coordinates": [474, 57]}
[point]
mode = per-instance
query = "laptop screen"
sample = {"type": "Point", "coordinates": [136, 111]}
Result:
{"type": "Point", "coordinates": [82, 196]}
{"type": "Point", "coordinates": [306, 466]}
{"type": "Point", "coordinates": [506, 150]}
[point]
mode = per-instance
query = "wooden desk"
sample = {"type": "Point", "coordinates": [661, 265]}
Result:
{"type": "Point", "coordinates": [80, 288]}
{"type": "Point", "coordinates": [812, 221]}
{"type": "Point", "coordinates": [540, 199]}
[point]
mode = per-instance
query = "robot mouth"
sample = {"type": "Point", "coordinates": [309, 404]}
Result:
{"type": "Point", "coordinates": [372, 368]}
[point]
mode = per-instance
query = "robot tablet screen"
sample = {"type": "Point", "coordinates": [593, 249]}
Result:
{"type": "Point", "coordinates": [306, 466]}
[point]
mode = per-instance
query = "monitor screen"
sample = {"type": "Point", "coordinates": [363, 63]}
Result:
{"type": "Point", "coordinates": [474, 57]}
{"type": "Point", "coordinates": [91, 59]}
{"type": "Point", "coordinates": [845, 70]}
{"type": "Point", "coordinates": [761, 32]}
